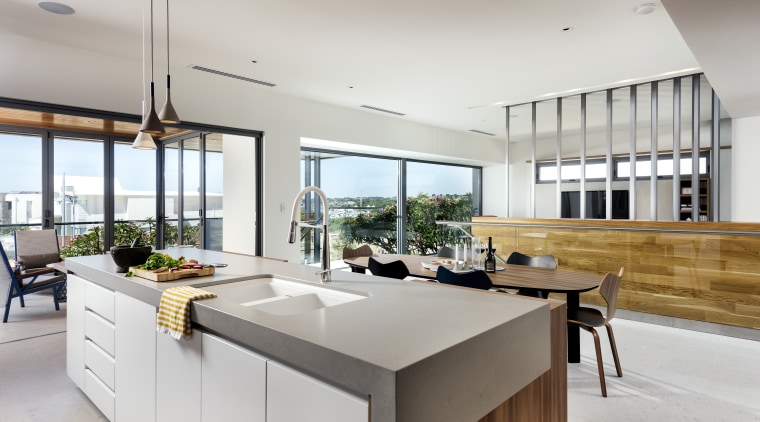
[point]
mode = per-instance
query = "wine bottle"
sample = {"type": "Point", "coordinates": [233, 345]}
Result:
{"type": "Point", "coordinates": [490, 262]}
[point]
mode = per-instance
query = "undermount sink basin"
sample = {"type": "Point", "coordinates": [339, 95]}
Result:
{"type": "Point", "coordinates": [280, 296]}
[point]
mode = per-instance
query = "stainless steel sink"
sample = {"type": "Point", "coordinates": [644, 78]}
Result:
{"type": "Point", "coordinates": [282, 296]}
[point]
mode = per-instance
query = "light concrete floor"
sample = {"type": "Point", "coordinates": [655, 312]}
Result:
{"type": "Point", "coordinates": [669, 374]}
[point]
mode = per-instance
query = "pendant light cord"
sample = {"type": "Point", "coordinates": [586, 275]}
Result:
{"type": "Point", "coordinates": [142, 113]}
{"type": "Point", "coordinates": [167, 38]}
{"type": "Point", "coordinates": [151, 41]}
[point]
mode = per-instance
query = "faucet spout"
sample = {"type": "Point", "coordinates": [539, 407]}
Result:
{"type": "Point", "coordinates": [295, 221]}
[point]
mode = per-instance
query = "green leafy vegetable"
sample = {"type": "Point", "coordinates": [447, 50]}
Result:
{"type": "Point", "coordinates": [157, 260]}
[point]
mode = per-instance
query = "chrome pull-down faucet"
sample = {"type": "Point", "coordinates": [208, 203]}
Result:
{"type": "Point", "coordinates": [324, 275]}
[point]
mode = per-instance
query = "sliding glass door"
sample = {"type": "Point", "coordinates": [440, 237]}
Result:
{"type": "Point", "coordinates": [194, 185]}
{"type": "Point", "coordinates": [20, 185]}
{"type": "Point", "coordinates": [78, 187]}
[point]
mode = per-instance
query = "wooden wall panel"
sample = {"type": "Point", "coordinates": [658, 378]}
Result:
{"type": "Point", "coordinates": [545, 399]}
{"type": "Point", "coordinates": [702, 271]}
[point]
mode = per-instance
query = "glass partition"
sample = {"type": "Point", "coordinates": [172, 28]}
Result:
{"type": "Point", "coordinates": [214, 201]}
{"type": "Point", "coordinates": [134, 191]}
{"type": "Point", "coordinates": [191, 192]}
{"type": "Point", "coordinates": [78, 189]}
{"type": "Point", "coordinates": [20, 186]}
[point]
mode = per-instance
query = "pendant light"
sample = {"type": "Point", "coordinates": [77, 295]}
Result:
{"type": "Point", "coordinates": [151, 124]}
{"type": "Point", "coordinates": [168, 114]}
{"type": "Point", "coordinates": [143, 140]}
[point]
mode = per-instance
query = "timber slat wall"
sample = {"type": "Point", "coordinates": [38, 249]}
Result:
{"type": "Point", "coordinates": [695, 270]}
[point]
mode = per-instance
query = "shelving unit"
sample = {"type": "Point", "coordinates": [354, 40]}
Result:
{"type": "Point", "coordinates": [703, 198]}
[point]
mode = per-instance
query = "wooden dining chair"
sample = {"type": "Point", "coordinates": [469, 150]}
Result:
{"type": "Point", "coordinates": [474, 279]}
{"type": "Point", "coordinates": [543, 261]}
{"type": "Point", "coordinates": [590, 318]}
{"type": "Point", "coordinates": [363, 250]}
{"type": "Point", "coordinates": [394, 269]}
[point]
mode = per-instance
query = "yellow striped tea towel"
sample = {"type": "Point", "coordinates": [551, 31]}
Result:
{"type": "Point", "coordinates": [174, 310]}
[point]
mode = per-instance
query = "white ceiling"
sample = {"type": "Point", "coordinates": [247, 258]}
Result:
{"type": "Point", "coordinates": [446, 63]}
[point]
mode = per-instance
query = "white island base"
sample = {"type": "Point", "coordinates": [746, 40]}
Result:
{"type": "Point", "coordinates": [245, 365]}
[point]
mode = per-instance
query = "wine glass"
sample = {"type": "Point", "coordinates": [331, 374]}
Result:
{"type": "Point", "coordinates": [477, 252]}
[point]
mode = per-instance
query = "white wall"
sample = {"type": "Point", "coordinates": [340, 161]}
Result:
{"type": "Point", "coordinates": [746, 201]}
{"type": "Point", "coordinates": [239, 194]}
{"type": "Point", "coordinates": [37, 71]}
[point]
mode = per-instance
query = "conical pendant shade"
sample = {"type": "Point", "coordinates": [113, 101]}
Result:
{"type": "Point", "coordinates": [143, 141]}
{"type": "Point", "coordinates": [151, 124]}
{"type": "Point", "coordinates": [168, 114]}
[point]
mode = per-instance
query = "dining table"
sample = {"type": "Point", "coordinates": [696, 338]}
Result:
{"type": "Point", "coordinates": [508, 276]}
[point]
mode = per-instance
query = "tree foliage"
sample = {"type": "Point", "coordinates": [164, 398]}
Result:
{"type": "Point", "coordinates": [125, 232]}
{"type": "Point", "coordinates": [424, 237]}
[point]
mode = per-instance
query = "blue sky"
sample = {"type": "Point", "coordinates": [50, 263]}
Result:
{"type": "Point", "coordinates": [135, 169]}
{"type": "Point", "coordinates": [365, 176]}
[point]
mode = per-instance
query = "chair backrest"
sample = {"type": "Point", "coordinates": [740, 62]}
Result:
{"type": "Point", "coordinates": [363, 250]}
{"type": "Point", "coordinates": [7, 263]}
{"type": "Point", "coordinates": [474, 279]}
{"type": "Point", "coordinates": [393, 269]}
{"type": "Point", "coordinates": [544, 261]}
{"type": "Point", "coordinates": [608, 289]}
{"type": "Point", "coordinates": [516, 258]}
{"type": "Point", "coordinates": [37, 248]}
{"type": "Point", "coordinates": [446, 252]}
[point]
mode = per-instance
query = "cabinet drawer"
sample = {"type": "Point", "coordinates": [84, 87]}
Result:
{"type": "Point", "coordinates": [100, 331]}
{"type": "Point", "coordinates": [99, 393]}
{"type": "Point", "coordinates": [100, 363]}
{"type": "Point", "coordinates": [294, 396]}
{"type": "Point", "coordinates": [100, 300]}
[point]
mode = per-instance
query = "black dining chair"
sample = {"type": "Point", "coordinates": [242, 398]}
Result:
{"type": "Point", "coordinates": [477, 279]}
{"type": "Point", "coordinates": [393, 269]}
{"type": "Point", "coordinates": [544, 261]}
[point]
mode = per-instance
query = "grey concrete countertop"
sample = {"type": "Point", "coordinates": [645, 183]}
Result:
{"type": "Point", "coordinates": [420, 350]}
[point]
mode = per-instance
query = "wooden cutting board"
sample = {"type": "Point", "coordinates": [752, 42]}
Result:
{"type": "Point", "coordinates": [172, 275]}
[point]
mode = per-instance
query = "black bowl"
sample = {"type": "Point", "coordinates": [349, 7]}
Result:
{"type": "Point", "coordinates": [128, 256]}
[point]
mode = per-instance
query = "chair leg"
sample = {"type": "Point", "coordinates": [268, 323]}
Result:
{"type": "Point", "coordinates": [21, 298]}
{"type": "Point", "coordinates": [614, 349]}
{"type": "Point", "coordinates": [56, 292]}
{"type": "Point", "coordinates": [8, 305]}
{"type": "Point", "coordinates": [599, 362]}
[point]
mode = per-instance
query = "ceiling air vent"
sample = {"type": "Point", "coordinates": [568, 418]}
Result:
{"type": "Point", "coordinates": [230, 75]}
{"type": "Point", "coordinates": [383, 110]}
{"type": "Point", "coordinates": [482, 133]}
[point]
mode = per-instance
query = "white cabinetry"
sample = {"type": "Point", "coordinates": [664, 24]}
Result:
{"type": "Point", "coordinates": [178, 378]}
{"type": "Point", "coordinates": [294, 396]}
{"type": "Point", "coordinates": [115, 368]}
{"type": "Point", "coordinates": [205, 378]}
{"type": "Point", "coordinates": [234, 382]}
{"type": "Point", "coordinates": [75, 329]}
{"type": "Point", "coordinates": [135, 345]}
{"type": "Point", "coordinates": [99, 332]}
{"type": "Point", "coordinates": [132, 373]}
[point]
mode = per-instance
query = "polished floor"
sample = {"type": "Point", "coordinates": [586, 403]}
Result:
{"type": "Point", "coordinates": [669, 374]}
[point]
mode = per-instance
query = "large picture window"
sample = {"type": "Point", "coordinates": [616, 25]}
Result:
{"type": "Point", "coordinates": [388, 203]}
{"type": "Point", "coordinates": [97, 191]}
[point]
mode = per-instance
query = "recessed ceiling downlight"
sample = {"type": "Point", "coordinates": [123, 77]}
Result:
{"type": "Point", "coordinates": [57, 8]}
{"type": "Point", "coordinates": [645, 9]}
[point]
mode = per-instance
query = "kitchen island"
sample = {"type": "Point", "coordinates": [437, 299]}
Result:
{"type": "Point", "coordinates": [397, 351]}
